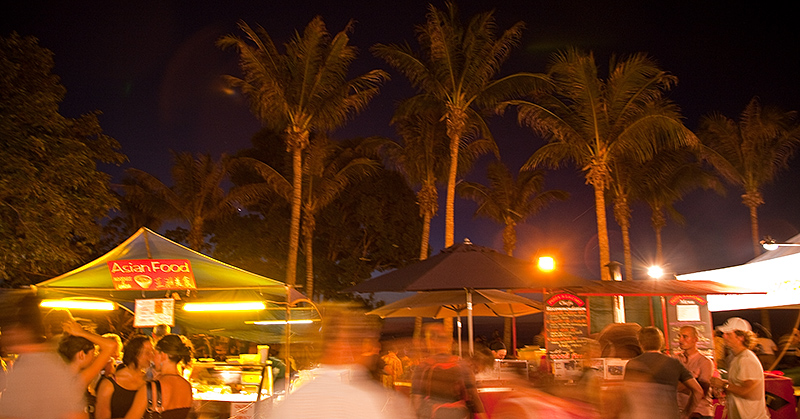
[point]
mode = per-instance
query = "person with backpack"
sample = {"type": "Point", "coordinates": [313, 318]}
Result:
{"type": "Point", "coordinates": [443, 385]}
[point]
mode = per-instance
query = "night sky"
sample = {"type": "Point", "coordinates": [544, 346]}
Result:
{"type": "Point", "coordinates": [154, 71]}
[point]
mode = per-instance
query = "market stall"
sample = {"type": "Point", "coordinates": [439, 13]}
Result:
{"type": "Point", "coordinates": [163, 279]}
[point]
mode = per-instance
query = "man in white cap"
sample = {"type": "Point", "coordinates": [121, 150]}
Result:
{"type": "Point", "coordinates": [745, 384]}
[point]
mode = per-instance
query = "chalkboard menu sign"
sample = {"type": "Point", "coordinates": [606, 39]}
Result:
{"type": "Point", "coordinates": [689, 310]}
{"type": "Point", "coordinates": [566, 325]}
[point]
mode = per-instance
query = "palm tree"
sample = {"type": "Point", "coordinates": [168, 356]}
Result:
{"type": "Point", "coordinates": [301, 91]}
{"type": "Point", "coordinates": [328, 170]}
{"type": "Point", "coordinates": [593, 122]}
{"type": "Point", "coordinates": [456, 68]}
{"type": "Point", "coordinates": [510, 201]}
{"type": "Point", "coordinates": [422, 160]}
{"type": "Point", "coordinates": [750, 153]}
{"type": "Point", "coordinates": [197, 196]}
{"type": "Point", "coordinates": [666, 179]}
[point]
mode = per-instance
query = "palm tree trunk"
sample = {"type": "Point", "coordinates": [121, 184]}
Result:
{"type": "Point", "coordinates": [196, 235]}
{"type": "Point", "coordinates": [602, 229]}
{"type": "Point", "coordinates": [456, 121]}
{"type": "Point", "coordinates": [426, 236]}
{"type": "Point", "coordinates": [626, 245]}
{"type": "Point", "coordinates": [754, 229]}
{"type": "Point", "coordinates": [308, 237]}
{"type": "Point", "coordinates": [449, 218]}
{"type": "Point", "coordinates": [294, 227]}
{"type": "Point", "coordinates": [659, 221]}
{"type": "Point", "coordinates": [622, 213]}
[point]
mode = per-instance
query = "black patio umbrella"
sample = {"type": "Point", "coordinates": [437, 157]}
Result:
{"type": "Point", "coordinates": [466, 265]}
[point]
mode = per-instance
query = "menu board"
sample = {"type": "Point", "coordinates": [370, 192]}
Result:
{"type": "Point", "coordinates": [153, 312]}
{"type": "Point", "coordinates": [689, 310]}
{"type": "Point", "coordinates": [566, 325]}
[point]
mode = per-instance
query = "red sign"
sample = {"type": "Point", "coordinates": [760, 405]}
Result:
{"type": "Point", "coordinates": [152, 274]}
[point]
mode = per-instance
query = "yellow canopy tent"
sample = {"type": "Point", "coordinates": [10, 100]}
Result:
{"type": "Point", "coordinates": [185, 275]}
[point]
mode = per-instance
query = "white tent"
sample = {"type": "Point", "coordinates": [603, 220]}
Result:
{"type": "Point", "coordinates": [777, 272]}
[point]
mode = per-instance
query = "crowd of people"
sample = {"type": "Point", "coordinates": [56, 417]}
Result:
{"type": "Point", "coordinates": [65, 371]}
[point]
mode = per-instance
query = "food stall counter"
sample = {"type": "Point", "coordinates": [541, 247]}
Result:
{"type": "Point", "coordinates": [230, 389]}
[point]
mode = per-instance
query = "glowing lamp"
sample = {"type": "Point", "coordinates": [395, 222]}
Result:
{"type": "Point", "coordinates": [279, 322]}
{"type": "Point", "coordinates": [546, 264]}
{"type": "Point", "coordinates": [78, 304]}
{"type": "Point", "coordinates": [655, 272]}
{"type": "Point", "coordinates": [238, 306]}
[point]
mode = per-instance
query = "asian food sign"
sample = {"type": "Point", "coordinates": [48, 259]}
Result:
{"type": "Point", "coordinates": [152, 274]}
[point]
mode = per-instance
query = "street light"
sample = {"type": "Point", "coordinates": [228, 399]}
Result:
{"type": "Point", "coordinates": [768, 243]}
{"type": "Point", "coordinates": [655, 272]}
{"type": "Point", "coordinates": [546, 264]}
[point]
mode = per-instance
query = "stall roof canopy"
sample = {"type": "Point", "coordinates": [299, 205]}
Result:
{"type": "Point", "coordinates": [776, 273]}
{"type": "Point", "coordinates": [211, 275]}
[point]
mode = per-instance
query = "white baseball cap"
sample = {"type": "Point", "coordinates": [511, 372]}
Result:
{"type": "Point", "coordinates": [735, 323]}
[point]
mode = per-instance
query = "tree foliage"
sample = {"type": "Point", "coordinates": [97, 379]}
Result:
{"type": "Point", "coordinates": [510, 201]}
{"type": "Point", "coordinates": [595, 121]}
{"type": "Point", "coordinates": [302, 91]}
{"type": "Point", "coordinates": [456, 69]}
{"type": "Point", "coordinates": [750, 152]}
{"type": "Point", "coordinates": [373, 227]}
{"type": "Point", "coordinates": [51, 193]}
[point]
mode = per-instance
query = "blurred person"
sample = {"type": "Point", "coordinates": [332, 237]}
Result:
{"type": "Point", "coordinates": [765, 348]}
{"type": "Point", "coordinates": [116, 392]}
{"type": "Point", "coordinates": [721, 352]}
{"type": "Point", "coordinates": [159, 332]}
{"type": "Point", "coordinates": [221, 344]}
{"type": "Point", "coordinates": [497, 346]}
{"type": "Point", "coordinates": [498, 349]}
{"type": "Point", "coordinates": [202, 347]}
{"type": "Point", "coordinates": [392, 368]}
{"type": "Point", "coordinates": [651, 381]}
{"type": "Point", "coordinates": [620, 340]}
{"type": "Point", "coordinates": [744, 387]}
{"type": "Point", "coordinates": [77, 347]}
{"type": "Point", "coordinates": [701, 368]}
{"type": "Point", "coordinates": [789, 363]}
{"type": "Point", "coordinates": [341, 387]}
{"type": "Point", "coordinates": [483, 364]}
{"type": "Point", "coordinates": [443, 385]}
{"type": "Point", "coordinates": [54, 324]}
{"type": "Point", "coordinates": [116, 358]}
{"type": "Point", "coordinates": [40, 384]}
{"type": "Point", "coordinates": [172, 353]}
{"type": "Point", "coordinates": [526, 402]}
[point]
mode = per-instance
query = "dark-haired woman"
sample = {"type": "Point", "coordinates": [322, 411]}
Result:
{"type": "Point", "coordinates": [116, 392]}
{"type": "Point", "coordinates": [172, 352]}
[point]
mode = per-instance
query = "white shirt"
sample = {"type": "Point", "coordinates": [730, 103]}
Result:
{"type": "Point", "coordinates": [744, 367]}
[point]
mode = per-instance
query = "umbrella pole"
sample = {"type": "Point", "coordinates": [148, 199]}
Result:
{"type": "Point", "coordinates": [458, 323]}
{"type": "Point", "coordinates": [514, 337]}
{"type": "Point", "coordinates": [288, 329]}
{"type": "Point", "coordinates": [469, 323]}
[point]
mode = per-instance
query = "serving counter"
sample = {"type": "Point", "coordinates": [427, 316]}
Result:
{"type": "Point", "coordinates": [231, 389]}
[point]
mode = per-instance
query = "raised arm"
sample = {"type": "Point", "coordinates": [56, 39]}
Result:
{"type": "Point", "coordinates": [696, 395]}
{"type": "Point", "coordinates": [139, 405]}
{"type": "Point", "coordinates": [108, 347]}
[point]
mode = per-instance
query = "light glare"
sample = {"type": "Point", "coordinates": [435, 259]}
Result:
{"type": "Point", "coordinates": [655, 272]}
{"type": "Point", "coordinates": [78, 304]}
{"type": "Point", "coordinates": [546, 264]}
{"type": "Point", "coordinates": [240, 306]}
